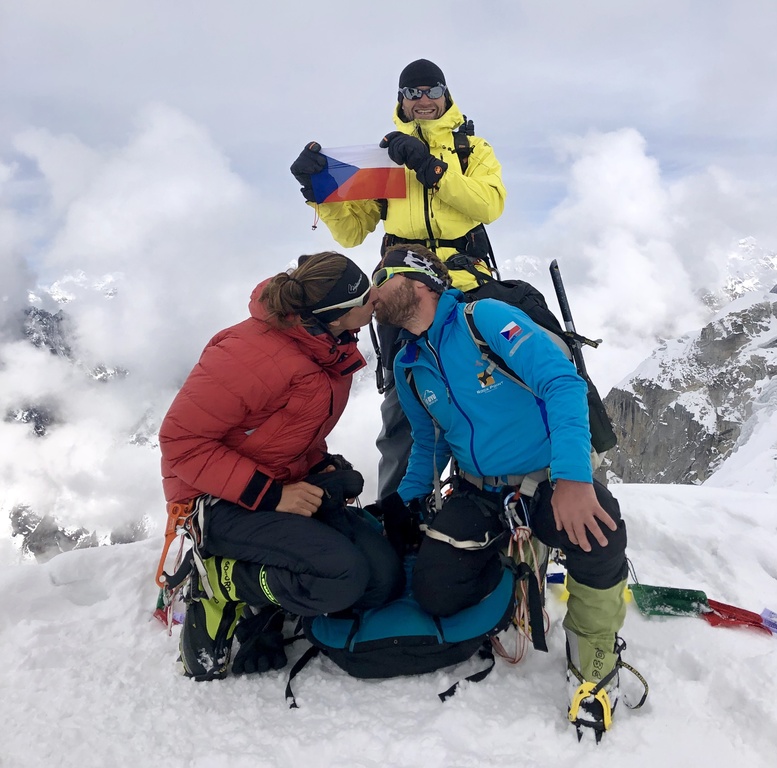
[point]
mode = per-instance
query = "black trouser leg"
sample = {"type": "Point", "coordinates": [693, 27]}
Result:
{"type": "Point", "coordinates": [602, 567]}
{"type": "Point", "coordinates": [310, 568]}
{"type": "Point", "coordinates": [447, 579]}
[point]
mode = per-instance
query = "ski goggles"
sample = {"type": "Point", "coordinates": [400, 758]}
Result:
{"type": "Point", "coordinates": [359, 301]}
{"type": "Point", "coordinates": [384, 274]}
{"type": "Point", "coordinates": [414, 94]}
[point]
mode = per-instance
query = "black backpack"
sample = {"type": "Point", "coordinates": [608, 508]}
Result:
{"type": "Point", "coordinates": [527, 298]}
{"type": "Point", "coordinates": [400, 638]}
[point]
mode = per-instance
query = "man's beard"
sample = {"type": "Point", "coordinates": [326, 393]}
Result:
{"type": "Point", "coordinates": [400, 307]}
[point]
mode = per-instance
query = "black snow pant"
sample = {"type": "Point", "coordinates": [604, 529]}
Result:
{"type": "Point", "coordinates": [447, 579]}
{"type": "Point", "coordinates": [310, 567]}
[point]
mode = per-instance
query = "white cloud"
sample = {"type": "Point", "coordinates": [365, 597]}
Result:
{"type": "Point", "coordinates": [164, 220]}
{"type": "Point", "coordinates": [83, 470]}
{"type": "Point", "coordinates": [613, 238]}
{"type": "Point", "coordinates": [638, 250]}
{"type": "Point", "coordinates": [67, 164]}
{"type": "Point", "coordinates": [16, 276]}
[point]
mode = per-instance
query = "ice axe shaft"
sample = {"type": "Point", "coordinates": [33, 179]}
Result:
{"type": "Point", "coordinates": [566, 316]}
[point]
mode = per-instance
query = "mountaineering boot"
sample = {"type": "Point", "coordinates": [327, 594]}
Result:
{"type": "Point", "coordinates": [593, 619]}
{"type": "Point", "coordinates": [214, 607]}
{"type": "Point", "coordinates": [212, 612]}
{"type": "Point", "coordinates": [206, 638]}
{"type": "Point", "coordinates": [217, 596]}
{"type": "Point", "coordinates": [591, 705]}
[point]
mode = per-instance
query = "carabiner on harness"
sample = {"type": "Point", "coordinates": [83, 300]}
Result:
{"type": "Point", "coordinates": [516, 511]}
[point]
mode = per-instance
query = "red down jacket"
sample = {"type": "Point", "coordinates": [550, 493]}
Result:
{"type": "Point", "coordinates": [257, 407]}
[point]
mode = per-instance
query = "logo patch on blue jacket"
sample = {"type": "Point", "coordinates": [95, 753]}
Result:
{"type": "Point", "coordinates": [511, 330]}
{"type": "Point", "coordinates": [429, 397]}
{"type": "Point", "coordinates": [485, 379]}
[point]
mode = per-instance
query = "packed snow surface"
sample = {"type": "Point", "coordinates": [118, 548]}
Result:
{"type": "Point", "coordinates": [89, 677]}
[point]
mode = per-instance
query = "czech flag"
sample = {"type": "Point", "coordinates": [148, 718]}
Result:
{"type": "Point", "coordinates": [358, 173]}
{"type": "Point", "coordinates": [510, 331]}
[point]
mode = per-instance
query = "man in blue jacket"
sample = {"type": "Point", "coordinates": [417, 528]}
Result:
{"type": "Point", "coordinates": [498, 432]}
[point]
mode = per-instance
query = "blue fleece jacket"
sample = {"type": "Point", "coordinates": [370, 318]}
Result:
{"type": "Point", "coordinates": [490, 424]}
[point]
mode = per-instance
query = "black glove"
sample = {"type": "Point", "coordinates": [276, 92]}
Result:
{"type": "Point", "coordinates": [338, 487]}
{"type": "Point", "coordinates": [335, 460]}
{"type": "Point", "coordinates": [405, 150]}
{"type": "Point", "coordinates": [310, 161]}
{"type": "Point", "coordinates": [261, 642]}
{"type": "Point", "coordinates": [401, 524]}
{"type": "Point", "coordinates": [412, 152]}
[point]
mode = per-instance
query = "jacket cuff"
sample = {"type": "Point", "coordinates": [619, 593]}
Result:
{"type": "Point", "coordinates": [272, 497]}
{"type": "Point", "coordinates": [257, 486]}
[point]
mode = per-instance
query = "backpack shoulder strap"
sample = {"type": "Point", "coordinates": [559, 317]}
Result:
{"type": "Point", "coordinates": [495, 362]}
{"type": "Point", "coordinates": [461, 142]}
{"type": "Point", "coordinates": [301, 663]}
{"type": "Point", "coordinates": [413, 388]}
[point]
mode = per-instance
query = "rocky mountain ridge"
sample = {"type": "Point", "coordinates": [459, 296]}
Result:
{"type": "Point", "coordinates": [682, 412]}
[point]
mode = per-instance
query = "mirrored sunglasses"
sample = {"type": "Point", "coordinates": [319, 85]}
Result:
{"type": "Point", "coordinates": [359, 301]}
{"type": "Point", "coordinates": [413, 94]}
{"type": "Point", "coordinates": [386, 273]}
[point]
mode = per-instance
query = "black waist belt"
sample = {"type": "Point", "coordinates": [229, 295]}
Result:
{"type": "Point", "coordinates": [460, 243]}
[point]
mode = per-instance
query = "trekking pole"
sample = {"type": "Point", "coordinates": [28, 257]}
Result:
{"type": "Point", "coordinates": [569, 323]}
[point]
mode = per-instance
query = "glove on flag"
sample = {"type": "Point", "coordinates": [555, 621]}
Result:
{"type": "Point", "coordinates": [358, 173]}
{"type": "Point", "coordinates": [310, 161]}
{"type": "Point", "coordinates": [412, 152]}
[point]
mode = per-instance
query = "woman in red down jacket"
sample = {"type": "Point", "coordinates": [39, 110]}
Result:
{"type": "Point", "coordinates": [247, 432]}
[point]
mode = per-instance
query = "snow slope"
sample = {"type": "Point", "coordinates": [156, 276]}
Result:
{"type": "Point", "coordinates": [88, 677]}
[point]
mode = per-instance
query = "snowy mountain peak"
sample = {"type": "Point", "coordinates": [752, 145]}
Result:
{"type": "Point", "coordinates": [749, 268]}
{"type": "Point", "coordinates": [688, 407]}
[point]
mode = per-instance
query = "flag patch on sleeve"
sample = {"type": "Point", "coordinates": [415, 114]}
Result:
{"type": "Point", "coordinates": [511, 330]}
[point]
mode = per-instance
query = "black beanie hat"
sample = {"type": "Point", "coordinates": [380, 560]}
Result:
{"type": "Point", "coordinates": [421, 72]}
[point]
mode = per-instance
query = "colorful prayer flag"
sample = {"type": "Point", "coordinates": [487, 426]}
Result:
{"type": "Point", "coordinates": [358, 173]}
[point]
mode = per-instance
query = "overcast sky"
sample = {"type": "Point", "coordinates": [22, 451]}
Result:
{"type": "Point", "coordinates": [145, 147]}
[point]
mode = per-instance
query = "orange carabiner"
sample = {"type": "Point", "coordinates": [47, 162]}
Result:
{"type": "Point", "coordinates": [177, 514]}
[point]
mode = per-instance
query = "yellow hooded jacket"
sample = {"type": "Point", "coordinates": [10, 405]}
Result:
{"type": "Point", "coordinates": [459, 203]}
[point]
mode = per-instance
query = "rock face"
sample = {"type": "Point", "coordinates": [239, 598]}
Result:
{"type": "Point", "coordinates": [47, 330]}
{"type": "Point", "coordinates": [43, 537]}
{"type": "Point", "coordinates": [681, 413]}
{"type": "Point", "coordinates": [40, 533]}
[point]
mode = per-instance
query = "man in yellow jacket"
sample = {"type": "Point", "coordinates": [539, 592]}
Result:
{"type": "Point", "coordinates": [450, 195]}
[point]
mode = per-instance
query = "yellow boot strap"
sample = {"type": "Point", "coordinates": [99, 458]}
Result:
{"type": "Point", "coordinates": [583, 692]}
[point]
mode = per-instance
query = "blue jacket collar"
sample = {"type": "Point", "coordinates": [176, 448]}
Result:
{"type": "Point", "coordinates": [445, 314]}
